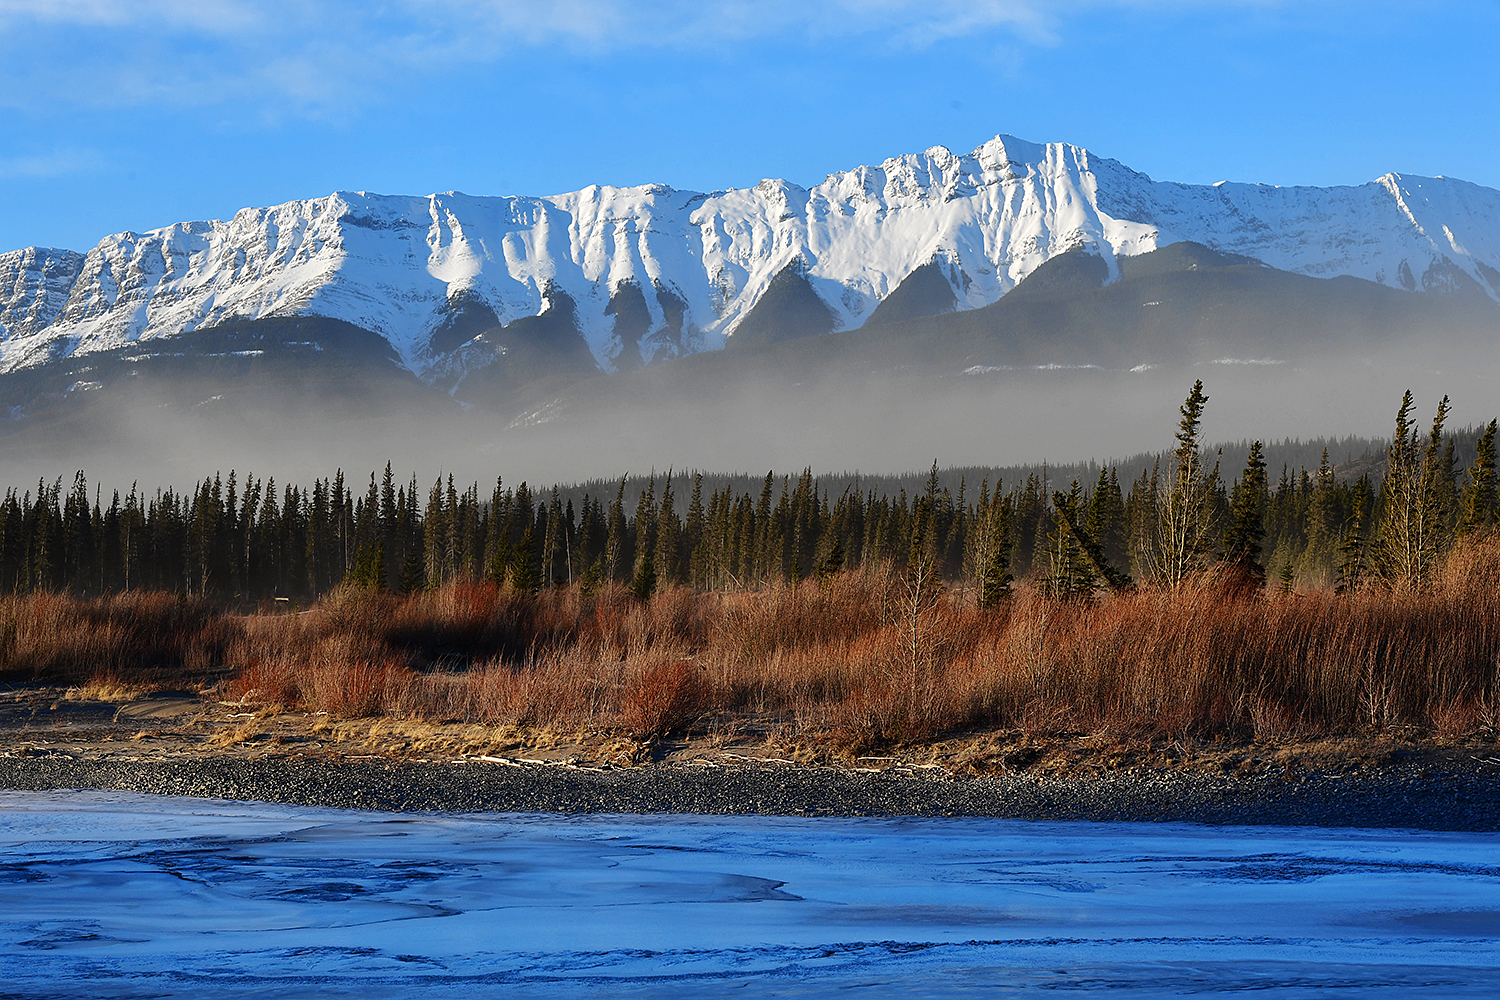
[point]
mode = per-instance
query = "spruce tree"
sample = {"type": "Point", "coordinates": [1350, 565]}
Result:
{"type": "Point", "coordinates": [525, 574]}
{"type": "Point", "coordinates": [593, 577]}
{"type": "Point", "coordinates": [389, 524]}
{"type": "Point", "coordinates": [552, 539]}
{"type": "Point", "coordinates": [695, 542]}
{"type": "Point", "coordinates": [1185, 509]}
{"type": "Point", "coordinates": [1247, 516]}
{"type": "Point", "coordinates": [1106, 519]}
{"type": "Point", "coordinates": [830, 564]}
{"type": "Point", "coordinates": [760, 561]}
{"type": "Point", "coordinates": [1030, 508]}
{"type": "Point", "coordinates": [1079, 566]}
{"type": "Point", "coordinates": [1415, 500]}
{"type": "Point", "coordinates": [413, 577]}
{"type": "Point", "coordinates": [1479, 508]}
{"type": "Point", "coordinates": [1351, 568]}
{"type": "Point", "coordinates": [643, 527]}
{"type": "Point", "coordinates": [616, 545]}
{"type": "Point", "coordinates": [991, 545]}
{"type": "Point", "coordinates": [668, 544]}
{"type": "Point", "coordinates": [434, 535]}
{"type": "Point", "coordinates": [643, 584]}
{"type": "Point", "coordinates": [369, 569]}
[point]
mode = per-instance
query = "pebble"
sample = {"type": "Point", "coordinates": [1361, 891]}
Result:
{"type": "Point", "coordinates": [1467, 800]}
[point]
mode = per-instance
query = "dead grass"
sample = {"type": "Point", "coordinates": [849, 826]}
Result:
{"type": "Point", "coordinates": [856, 663]}
{"type": "Point", "coordinates": [235, 735]}
{"type": "Point", "coordinates": [137, 640]}
{"type": "Point", "coordinates": [106, 688]}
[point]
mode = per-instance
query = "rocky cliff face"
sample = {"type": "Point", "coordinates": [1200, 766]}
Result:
{"type": "Point", "coordinates": [650, 272]}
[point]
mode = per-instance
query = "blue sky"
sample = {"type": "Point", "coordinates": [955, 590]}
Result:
{"type": "Point", "coordinates": [134, 114]}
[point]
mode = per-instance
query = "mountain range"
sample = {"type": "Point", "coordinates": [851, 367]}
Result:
{"type": "Point", "coordinates": [1017, 257]}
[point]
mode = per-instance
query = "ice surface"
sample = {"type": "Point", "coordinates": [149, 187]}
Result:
{"type": "Point", "coordinates": [110, 894]}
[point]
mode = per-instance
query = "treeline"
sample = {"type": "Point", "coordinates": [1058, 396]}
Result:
{"type": "Point", "coordinates": [249, 540]}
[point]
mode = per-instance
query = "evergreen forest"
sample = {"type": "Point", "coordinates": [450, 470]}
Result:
{"type": "Point", "coordinates": [247, 541]}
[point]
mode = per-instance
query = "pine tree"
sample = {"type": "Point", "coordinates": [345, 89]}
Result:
{"type": "Point", "coordinates": [616, 546]}
{"type": "Point", "coordinates": [1247, 516]}
{"type": "Point", "coordinates": [1030, 508]}
{"type": "Point", "coordinates": [1106, 519]}
{"type": "Point", "coordinates": [1078, 563]}
{"type": "Point", "coordinates": [991, 545]}
{"type": "Point", "coordinates": [1415, 500]}
{"type": "Point", "coordinates": [1351, 568]}
{"type": "Point", "coordinates": [1479, 509]}
{"type": "Point", "coordinates": [525, 574]}
{"type": "Point", "coordinates": [552, 543]}
{"type": "Point", "coordinates": [593, 577]}
{"type": "Point", "coordinates": [667, 554]}
{"type": "Point", "coordinates": [1070, 574]}
{"type": "Point", "coordinates": [1185, 511]}
{"type": "Point", "coordinates": [695, 542]}
{"type": "Point", "coordinates": [643, 584]}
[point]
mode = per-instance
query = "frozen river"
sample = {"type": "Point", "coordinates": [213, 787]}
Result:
{"type": "Point", "coordinates": [107, 894]}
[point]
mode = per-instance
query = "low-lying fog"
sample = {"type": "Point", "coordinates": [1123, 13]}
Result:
{"type": "Point", "coordinates": [892, 421]}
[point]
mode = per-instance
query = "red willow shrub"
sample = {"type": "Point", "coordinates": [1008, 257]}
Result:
{"type": "Point", "coordinates": [852, 658]}
{"type": "Point", "coordinates": [142, 639]}
{"type": "Point", "coordinates": [661, 699]}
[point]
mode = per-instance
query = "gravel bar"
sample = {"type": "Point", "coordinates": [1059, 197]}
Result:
{"type": "Point", "coordinates": [1395, 796]}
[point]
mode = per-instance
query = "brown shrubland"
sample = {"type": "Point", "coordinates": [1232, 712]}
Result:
{"type": "Point", "coordinates": [859, 660]}
{"type": "Point", "coordinates": [131, 640]}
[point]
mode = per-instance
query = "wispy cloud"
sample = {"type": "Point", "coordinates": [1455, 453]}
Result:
{"type": "Point", "coordinates": [202, 15]}
{"type": "Point", "coordinates": [58, 163]}
{"type": "Point", "coordinates": [669, 23]}
{"type": "Point", "coordinates": [310, 56]}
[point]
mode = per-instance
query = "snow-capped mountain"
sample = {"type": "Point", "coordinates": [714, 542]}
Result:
{"type": "Point", "coordinates": [651, 271]}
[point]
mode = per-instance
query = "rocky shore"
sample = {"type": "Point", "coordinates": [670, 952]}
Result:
{"type": "Point", "coordinates": [178, 743]}
{"type": "Point", "coordinates": [1412, 795]}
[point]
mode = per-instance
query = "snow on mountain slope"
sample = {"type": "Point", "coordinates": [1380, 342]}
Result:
{"type": "Point", "coordinates": [397, 265]}
{"type": "Point", "coordinates": [34, 284]}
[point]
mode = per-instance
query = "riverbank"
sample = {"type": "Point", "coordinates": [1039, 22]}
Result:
{"type": "Point", "coordinates": [177, 743]}
{"type": "Point", "coordinates": [1411, 795]}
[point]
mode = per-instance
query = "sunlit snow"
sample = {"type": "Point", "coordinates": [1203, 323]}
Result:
{"type": "Point", "coordinates": [392, 264]}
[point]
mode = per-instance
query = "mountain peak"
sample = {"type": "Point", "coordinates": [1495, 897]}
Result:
{"type": "Point", "coordinates": [403, 266]}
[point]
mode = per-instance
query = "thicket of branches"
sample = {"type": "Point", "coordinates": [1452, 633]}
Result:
{"type": "Point", "coordinates": [246, 540]}
{"type": "Point", "coordinates": [864, 658]}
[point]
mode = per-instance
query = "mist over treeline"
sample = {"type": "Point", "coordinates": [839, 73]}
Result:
{"type": "Point", "coordinates": [160, 434]}
{"type": "Point", "coordinates": [1384, 512]}
{"type": "Point", "coordinates": [1351, 455]}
